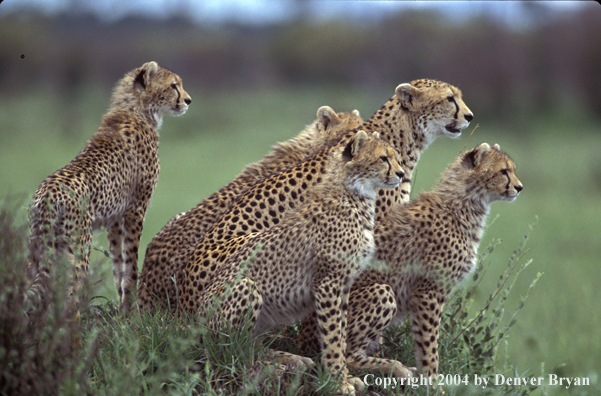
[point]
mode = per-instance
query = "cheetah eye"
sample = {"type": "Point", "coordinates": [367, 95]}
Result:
{"type": "Point", "coordinates": [174, 86]}
{"type": "Point", "coordinates": [451, 99]}
{"type": "Point", "coordinates": [504, 172]}
{"type": "Point", "coordinates": [384, 158]}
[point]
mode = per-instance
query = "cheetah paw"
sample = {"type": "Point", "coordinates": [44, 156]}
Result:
{"type": "Point", "coordinates": [402, 371]}
{"type": "Point", "coordinates": [347, 389]}
{"type": "Point", "coordinates": [294, 362]}
{"type": "Point", "coordinates": [357, 383]}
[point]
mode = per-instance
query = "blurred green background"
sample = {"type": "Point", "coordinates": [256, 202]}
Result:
{"type": "Point", "coordinates": [530, 72]}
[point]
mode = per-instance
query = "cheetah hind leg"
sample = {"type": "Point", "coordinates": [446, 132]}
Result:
{"type": "Point", "coordinates": [240, 308]}
{"type": "Point", "coordinates": [244, 297]}
{"type": "Point", "coordinates": [115, 237]}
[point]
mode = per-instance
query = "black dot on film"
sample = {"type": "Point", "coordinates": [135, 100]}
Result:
{"type": "Point", "coordinates": [22, 56]}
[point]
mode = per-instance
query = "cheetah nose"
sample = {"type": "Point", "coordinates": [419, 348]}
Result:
{"type": "Point", "coordinates": [188, 100]}
{"type": "Point", "coordinates": [519, 188]}
{"type": "Point", "coordinates": [400, 174]}
{"type": "Point", "coordinates": [469, 117]}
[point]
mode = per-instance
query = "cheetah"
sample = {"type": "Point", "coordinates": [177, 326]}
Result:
{"type": "Point", "coordinates": [309, 259]}
{"type": "Point", "coordinates": [108, 184]}
{"type": "Point", "coordinates": [430, 245]}
{"type": "Point", "coordinates": [168, 250]}
{"type": "Point", "coordinates": [417, 114]}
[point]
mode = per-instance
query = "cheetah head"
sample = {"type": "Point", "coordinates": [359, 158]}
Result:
{"type": "Point", "coordinates": [161, 90]}
{"type": "Point", "coordinates": [371, 163]}
{"type": "Point", "coordinates": [439, 106]}
{"type": "Point", "coordinates": [492, 172]}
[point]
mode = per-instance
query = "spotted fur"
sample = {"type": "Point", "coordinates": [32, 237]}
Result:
{"type": "Point", "coordinates": [304, 261]}
{"type": "Point", "coordinates": [109, 184]}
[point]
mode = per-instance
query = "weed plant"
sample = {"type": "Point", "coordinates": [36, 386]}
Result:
{"type": "Point", "coordinates": [164, 354]}
{"type": "Point", "coordinates": [38, 353]}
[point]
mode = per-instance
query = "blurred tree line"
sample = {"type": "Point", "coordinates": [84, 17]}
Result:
{"type": "Point", "coordinates": [549, 66]}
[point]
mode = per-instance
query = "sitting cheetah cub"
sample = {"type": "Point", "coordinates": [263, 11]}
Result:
{"type": "Point", "coordinates": [109, 184]}
{"type": "Point", "coordinates": [310, 259]}
{"type": "Point", "coordinates": [431, 245]}
{"type": "Point", "coordinates": [166, 254]}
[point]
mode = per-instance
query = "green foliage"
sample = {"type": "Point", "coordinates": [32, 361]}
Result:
{"type": "Point", "coordinates": [142, 354]}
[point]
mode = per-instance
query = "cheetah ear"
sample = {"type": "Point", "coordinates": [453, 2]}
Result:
{"type": "Point", "coordinates": [326, 116]}
{"type": "Point", "coordinates": [354, 146]}
{"type": "Point", "coordinates": [356, 113]}
{"type": "Point", "coordinates": [496, 146]}
{"type": "Point", "coordinates": [473, 158]}
{"type": "Point", "coordinates": [407, 94]}
{"type": "Point", "coordinates": [144, 75]}
{"type": "Point", "coordinates": [360, 139]}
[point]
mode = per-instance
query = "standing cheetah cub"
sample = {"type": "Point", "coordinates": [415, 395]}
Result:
{"type": "Point", "coordinates": [311, 258]}
{"type": "Point", "coordinates": [431, 245]}
{"type": "Point", "coordinates": [166, 254]}
{"type": "Point", "coordinates": [109, 184]}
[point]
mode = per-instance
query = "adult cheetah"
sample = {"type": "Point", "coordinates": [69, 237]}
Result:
{"type": "Point", "coordinates": [431, 245]}
{"type": "Point", "coordinates": [168, 250]}
{"type": "Point", "coordinates": [109, 184]}
{"type": "Point", "coordinates": [414, 117]}
{"type": "Point", "coordinates": [310, 259]}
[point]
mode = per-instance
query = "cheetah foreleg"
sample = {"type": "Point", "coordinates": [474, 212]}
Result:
{"type": "Point", "coordinates": [426, 306]}
{"type": "Point", "coordinates": [133, 223]}
{"type": "Point", "coordinates": [371, 309]}
{"type": "Point", "coordinates": [331, 302]}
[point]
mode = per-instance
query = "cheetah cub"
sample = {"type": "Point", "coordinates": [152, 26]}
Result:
{"type": "Point", "coordinates": [309, 260]}
{"type": "Point", "coordinates": [109, 184]}
{"type": "Point", "coordinates": [166, 254]}
{"type": "Point", "coordinates": [431, 245]}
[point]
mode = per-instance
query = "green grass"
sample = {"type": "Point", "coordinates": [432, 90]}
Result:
{"type": "Point", "coordinates": [557, 161]}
